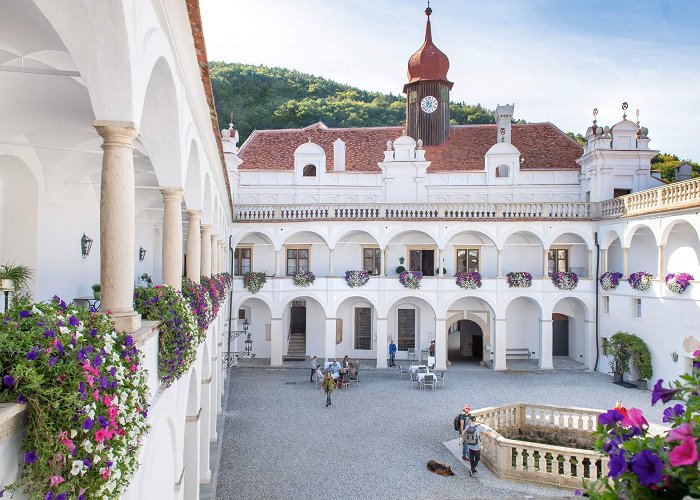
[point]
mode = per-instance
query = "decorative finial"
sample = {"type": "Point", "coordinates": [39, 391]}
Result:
{"type": "Point", "coordinates": [595, 117]}
{"type": "Point", "coordinates": [428, 11]}
{"type": "Point", "coordinates": [503, 134]}
{"type": "Point", "coordinates": [637, 113]}
{"type": "Point", "coordinates": [624, 110]}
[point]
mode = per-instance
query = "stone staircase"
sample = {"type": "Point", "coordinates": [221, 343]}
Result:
{"type": "Point", "coordinates": [296, 350]}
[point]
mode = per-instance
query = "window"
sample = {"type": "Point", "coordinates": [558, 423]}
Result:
{"type": "Point", "coordinates": [363, 328]}
{"type": "Point", "coordinates": [423, 261]}
{"type": "Point", "coordinates": [371, 260]}
{"type": "Point", "coordinates": [638, 308]}
{"type": "Point", "coordinates": [297, 260]}
{"type": "Point", "coordinates": [241, 314]}
{"type": "Point", "coordinates": [407, 329]}
{"type": "Point", "coordinates": [558, 260]}
{"type": "Point", "coordinates": [467, 260]}
{"type": "Point", "coordinates": [621, 192]}
{"type": "Point", "coordinates": [606, 304]}
{"type": "Point", "coordinates": [502, 171]}
{"type": "Point", "coordinates": [309, 170]}
{"type": "Point", "coordinates": [242, 261]}
{"type": "Point", "coordinates": [412, 97]}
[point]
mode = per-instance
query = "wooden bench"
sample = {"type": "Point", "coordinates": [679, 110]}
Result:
{"type": "Point", "coordinates": [518, 352]}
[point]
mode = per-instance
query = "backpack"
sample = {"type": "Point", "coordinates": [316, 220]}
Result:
{"type": "Point", "coordinates": [458, 419]}
{"type": "Point", "coordinates": [470, 435]}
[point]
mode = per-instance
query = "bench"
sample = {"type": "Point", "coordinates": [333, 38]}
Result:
{"type": "Point", "coordinates": [517, 352]}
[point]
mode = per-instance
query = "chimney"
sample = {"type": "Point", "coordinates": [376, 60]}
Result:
{"type": "Point", "coordinates": [503, 116]}
{"type": "Point", "coordinates": [338, 155]}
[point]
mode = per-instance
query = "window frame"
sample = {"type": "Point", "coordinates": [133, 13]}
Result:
{"type": "Point", "coordinates": [555, 267]}
{"type": "Point", "coordinates": [355, 332]}
{"type": "Point", "coordinates": [309, 166]}
{"type": "Point", "coordinates": [376, 258]}
{"type": "Point", "coordinates": [297, 248]}
{"type": "Point", "coordinates": [423, 248]}
{"type": "Point", "coordinates": [237, 259]}
{"type": "Point", "coordinates": [467, 249]}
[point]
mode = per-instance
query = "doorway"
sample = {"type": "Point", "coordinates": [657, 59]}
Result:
{"type": "Point", "coordinates": [423, 261]}
{"type": "Point", "coordinates": [297, 323]}
{"type": "Point", "coordinates": [465, 342]}
{"type": "Point", "coordinates": [560, 335]}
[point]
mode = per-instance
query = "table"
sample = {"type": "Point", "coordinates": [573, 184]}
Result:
{"type": "Point", "coordinates": [415, 368]}
{"type": "Point", "coordinates": [92, 302]}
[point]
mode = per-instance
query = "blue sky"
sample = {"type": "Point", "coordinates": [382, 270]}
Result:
{"type": "Point", "coordinates": [555, 59]}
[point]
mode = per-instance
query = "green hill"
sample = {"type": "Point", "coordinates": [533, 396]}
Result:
{"type": "Point", "coordinates": [272, 98]}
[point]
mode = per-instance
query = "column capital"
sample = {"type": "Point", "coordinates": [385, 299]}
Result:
{"type": "Point", "coordinates": [206, 228]}
{"type": "Point", "coordinates": [116, 133]}
{"type": "Point", "coordinates": [194, 214]}
{"type": "Point", "coordinates": [172, 193]}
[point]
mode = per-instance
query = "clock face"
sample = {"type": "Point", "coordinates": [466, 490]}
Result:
{"type": "Point", "coordinates": [429, 104]}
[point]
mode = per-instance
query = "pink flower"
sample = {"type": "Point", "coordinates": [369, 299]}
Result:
{"type": "Point", "coordinates": [134, 368]}
{"type": "Point", "coordinates": [112, 412]}
{"type": "Point", "coordinates": [96, 395]}
{"type": "Point", "coordinates": [696, 353]}
{"type": "Point", "coordinates": [56, 480]}
{"type": "Point", "coordinates": [680, 433]}
{"type": "Point", "coordinates": [635, 418]}
{"type": "Point", "coordinates": [685, 453]}
{"type": "Point", "coordinates": [101, 435]}
{"type": "Point", "coordinates": [105, 474]}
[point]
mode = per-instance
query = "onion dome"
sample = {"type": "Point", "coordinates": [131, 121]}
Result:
{"type": "Point", "coordinates": [428, 62]}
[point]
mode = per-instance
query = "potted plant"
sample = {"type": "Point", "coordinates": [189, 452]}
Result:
{"type": "Point", "coordinates": [303, 278]}
{"type": "Point", "coordinates": [564, 280]}
{"type": "Point", "coordinates": [357, 278]}
{"type": "Point", "coordinates": [16, 278]}
{"type": "Point", "coordinates": [678, 282]}
{"type": "Point", "coordinates": [96, 289]}
{"type": "Point", "coordinates": [468, 281]}
{"type": "Point", "coordinates": [618, 349]}
{"type": "Point", "coordinates": [411, 279]}
{"type": "Point", "coordinates": [640, 280]}
{"type": "Point", "coordinates": [609, 280]}
{"type": "Point", "coordinates": [254, 282]}
{"type": "Point", "coordinates": [641, 360]}
{"type": "Point", "coordinates": [520, 279]}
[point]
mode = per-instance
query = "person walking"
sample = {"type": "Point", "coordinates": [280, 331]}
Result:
{"type": "Point", "coordinates": [472, 439]}
{"type": "Point", "coordinates": [314, 365]}
{"type": "Point", "coordinates": [392, 353]}
{"type": "Point", "coordinates": [464, 419]}
{"type": "Point", "coordinates": [328, 385]}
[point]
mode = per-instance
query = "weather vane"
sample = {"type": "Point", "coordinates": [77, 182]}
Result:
{"type": "Point", "coordinates": [595, 116]}
{"type": "Point", "coordinates": [624, 110]}
{"type": "Point", "coordinates": [637, 116]}
{"type": "Point", "coordinates": [503, 133]}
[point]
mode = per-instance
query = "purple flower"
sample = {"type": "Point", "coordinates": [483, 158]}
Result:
{"type": "Point", "coordinates": [673, 412]}
{"type": "Point", "coordinates": [61, 496]}
{"type": "Point", "coordinates": [49, 334]}
{"type": "Point", "coordinates": [49, 496]}
{"type": "Point", "coordinates": [103, 421]}
{"type": "Point", "coordinates": [648, 467]}
{"type": "Point", "coordinates": [128, 340]}
{"type": "Point", "coordinates": [82, 354]}
{"type": "Point", "coordinates": [659, 393]}
{"type": "Point", "coordinates": [618, 464]}
{"type": "Point", "coordinates": [8, 380]}
{"type": "Point", "coordinates": [609, 417]}
{"type": "Point", "coordinates": [21, 399]}
{"type": "Point", "coordinates": [97, 361]}
{"type": "Point", "coordinates": [87, 463]}
{"type": "Point", "coordinates": [73, 321]}
{"type": "Point", "coordinates": [30, 457]}
{"type": "Point", "coordinates": [24, 313]}
{"type": "Point", "coordinates": [52, 361]}
{"type": "Point", "coordinates": [93, 332]}
{"type": "Point", "coordinates": [87, 425]}
{"type": "Point", "coordinates": [32, 355]}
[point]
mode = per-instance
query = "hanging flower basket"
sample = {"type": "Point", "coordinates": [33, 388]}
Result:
{"type": "Point", "coordinates": [609, 280]}
{"type": "Point", "coordinates": [253, 282]}
{"type": "Point", "coordinates": [520, 279]}
{"type": "Point", "coordinates": [468, 281]}
{"type": "Point", "coordinates": [640, 280]}
{"type": "Point", "coordinates": [564, 281]}
{"type": "Point", "coordinates": [303, 279]}
{"type": "Point", "coordinates": [411, 279]}
{"type": "Point", "coordinates": [356, 279]}
{"type": "Point", "coordinates": [678, 282]}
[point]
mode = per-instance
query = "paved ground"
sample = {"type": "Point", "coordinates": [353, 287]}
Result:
{"type": "Point", "coordinates": [280, 441]}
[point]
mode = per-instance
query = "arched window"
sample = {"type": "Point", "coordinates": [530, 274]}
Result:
{"type": "Point", "coordinates": [309, 170]}
{"type": "Point", "coordinates": [502, 171]}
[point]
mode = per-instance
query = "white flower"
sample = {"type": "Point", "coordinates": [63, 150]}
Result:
{"type": "Point", "coordinates": [63, 329]}
{"type": "Point", "coordinates": [73, 433]}
{"type": "Point", "coordinates": [77, 467]}
{"type": "Point", "coordinates": [87, 445]}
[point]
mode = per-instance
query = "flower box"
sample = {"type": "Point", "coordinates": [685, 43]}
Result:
{"type": "Point", "coordinates": [640, 280]}
{"type": "Point", "coordinates": [356, 279]}
{"type": "Point", "coordinates": [411, 279]}
{"type": "Point", "coordinates": [564, 281]}
{"type": "Point", "coordinates": [303, 279]}
{"type": "Point", "coordinates": [678, 282]}
{"type": "Point", "coordinates": [253, 282]}
{"type": "Point", "coordinates": [520, 279]}
{"type": "Point", "coordinates": [468, 281]}
{"type": "Point", "coordinates": [609, 280]}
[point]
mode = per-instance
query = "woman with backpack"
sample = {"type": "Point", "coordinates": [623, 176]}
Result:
{"type": "Point", "coordinates": [328, 385]}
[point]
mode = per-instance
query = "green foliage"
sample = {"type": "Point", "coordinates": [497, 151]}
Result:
{"type": "Point", "coordinates": [624, 347]}
{"type": "Point", "coordinates": [667, 163]}
{"type": "Point", "coordinates": [578, 138]}
{"type": "Point", "coordinates": [20, 276]}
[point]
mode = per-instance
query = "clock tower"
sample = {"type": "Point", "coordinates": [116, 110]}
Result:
{"type": "Point", "coordinates": [428, 92]}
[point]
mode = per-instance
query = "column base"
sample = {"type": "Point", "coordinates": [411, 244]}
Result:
{"type": "Point", "coordinates": [128, 322]}
{"type": "Point", "coordinates": [546, 367]}
{"type": "Point", "coordinates": [206, 478]}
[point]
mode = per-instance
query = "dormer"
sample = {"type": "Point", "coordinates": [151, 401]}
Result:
{"type": "Point", "coordinates": [309, 164]}
{"type": "Point", "coordinates": [624, 135]}
{"type": "Point", "coordinates": [502, 162]}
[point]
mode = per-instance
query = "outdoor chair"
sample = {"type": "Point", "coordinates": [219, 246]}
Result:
{"type": "Point", "coordinates": [431, 362]}
{"type": "Point", "coordinates": [356, 378]}
{"type": "Point", "coordinates": [411, 354]}
{"type": "Point", "coordinates": [440, 379]}
{"type": "Point", "coordinates": [422, 369]}
{"type": "Point", "coordinates": [343, 382]}
{"type": "Point", "coordinates": [428, 381]}
{"type": "Point", "coordinates": [403, 371]}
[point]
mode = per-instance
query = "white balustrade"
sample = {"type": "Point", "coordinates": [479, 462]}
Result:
{"type": "Point", "coordinates": [660, 199]}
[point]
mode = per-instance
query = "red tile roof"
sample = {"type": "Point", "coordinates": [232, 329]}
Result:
{"type": "Point", "coordinates": [541, 145]}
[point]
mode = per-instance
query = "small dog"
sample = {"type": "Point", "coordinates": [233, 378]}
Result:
{"type": "Point", "coordinates": [440, 468]}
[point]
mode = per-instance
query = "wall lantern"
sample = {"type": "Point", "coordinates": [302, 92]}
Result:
{"type": "Point", "coordinates": [85, 245]}
{"type": "Point", "coordinates": [674, 356]}
{"type": "Point", "coordinates": [248, 341]}
{"type": "Point", "coordinates": [142, 254]}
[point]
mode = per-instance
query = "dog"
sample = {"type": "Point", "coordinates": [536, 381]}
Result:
{"type": "Point", "coordinates": [440, 468]}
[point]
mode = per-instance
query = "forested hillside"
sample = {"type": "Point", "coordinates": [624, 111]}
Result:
{"type": "Point", "coordinates": [271, 98]}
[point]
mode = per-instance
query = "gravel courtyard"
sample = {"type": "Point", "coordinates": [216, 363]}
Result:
{"type": "Point", "coordinates": [280, 441]}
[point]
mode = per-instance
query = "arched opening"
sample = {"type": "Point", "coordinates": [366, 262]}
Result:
{"type": "Point", "coordinates": [682, 251]}
{"type": "Point", "coordinates": [470, 251]}
{"type": "Point", "coordinates": [568, 253]}
{"type": "Point", "coordinates": [204, 471]}
{"type": "Point", "coordinates": [465, 342]}
{"type": "Point", "coordinates": [357, 321]}
{"type": "Point", "coordinates": [570, 343]}
{"type": "Point", "coordinates": [503, 171]}
{"type": "Point", "coordinates": [523, 251]}
{"type": "Point", "coordinates": [309, 170]}
{"type": "Point", "coordinates": [412, 251]}
{"type": "Point", "coordinates": [615, 260]}
{"type": "Point", "coordinates": [523, 329]}
{"type": "Point", "coordinates": [357, 250]}
{"type": "Point", "coordinates": [305, 251]}
{"type": "Point", "coordinates": [411, 323]}
{"type": "Point", "coordinates": [258, 316]}
{"type": "Point", "coordinates": [305, 332]}
{"type": "Point", "coordinates": [643, 252]}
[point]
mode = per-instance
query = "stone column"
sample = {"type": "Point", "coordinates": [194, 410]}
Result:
{"type": "Point", "coordinates": [224, 256]}
{"type": "Point", "coordinates": [382, 343]}
{"type": "Point", "coordinates": [440, 344]}
{"type": "Point", "coordinates": [330, 338]}
{"type": "Point", "coordinates": [589, 343]}
{"type": "Point", "coordinates": [276, 340]}
{"type": "Point", "coordinates": [662, 261]}
{"type": "Point", "coordinates": [591, 265]}
{"type": "Point", "coordinates": [440, 273]}
{"type": "Point", "coordinates": [194, 246]}
{"type": "Point", "coordinates": [117, 223]}
{"type": "Point", "coordinates": [214, 255]}
{"type": "Point", "coordinates": [498, 342]}
{"type": "Point", "coordinates": [626, 260]}
{"type": "Point", "coordinates": [277, 263]}
{"type": "Point", "coordinates": [499, 263]}
{"type": "Point", "coordinates": [206, 250]}
{"type": "Point", "coordinates": [546, 360]}
{"type": "Point", "coordinates": [603, 262]}
{"type": "Point", "coordinates": [331, 270]}
{"type": "Point", "coordinates": [172, 237]}
{"type": "Point", "coordinates": [545, 263]}
{"type": "Point", "coordinates": [382, 262]}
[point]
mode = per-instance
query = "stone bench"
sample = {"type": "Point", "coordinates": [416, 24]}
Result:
{"type": "Point", "coordinates": [518, 352]}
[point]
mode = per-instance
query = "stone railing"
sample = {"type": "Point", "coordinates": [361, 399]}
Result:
{"type": "Point", "coordinates": [660, 199]}
{"type": "Point", "coordinates": [413, 211]}
{"type": "Point", "coordinates": [535, 462]}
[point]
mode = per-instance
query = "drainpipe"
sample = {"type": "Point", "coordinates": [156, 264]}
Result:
{"type": "Point", "coordinates": [597, 285]}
